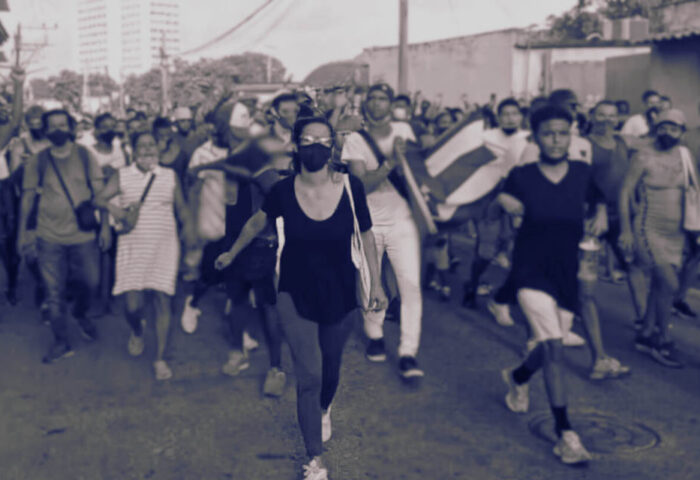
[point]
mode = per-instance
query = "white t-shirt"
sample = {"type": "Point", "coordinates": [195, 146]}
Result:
{"type": "Point", "coordinates": [114, 159]}
{"type": "Point", "coordinates": [386, 205]}
{"type": "Point", "coordinates": [211, 218]}
{"type": "Point", "coordinates": [507, 147]}
{"type": "Point", "coordinates": [636, 126]}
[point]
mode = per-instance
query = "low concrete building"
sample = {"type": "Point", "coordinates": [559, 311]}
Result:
{"type": "Point", "coordinates": [510, 62]}
{"type": "Point", "coordinates": [476, 65]}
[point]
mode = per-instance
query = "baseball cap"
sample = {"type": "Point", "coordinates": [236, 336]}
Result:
{"type": "Point", "coordinates": [382, 87]}
{"type": "Point", "coordinates": [672, 115]}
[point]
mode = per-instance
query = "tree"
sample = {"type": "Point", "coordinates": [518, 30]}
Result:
{"type": "Point", "coordinates": [67, 88]}
{"type": "Point", "coordinates": [574, 25]}
{"type": "Point", "coordinates": [203, 82]}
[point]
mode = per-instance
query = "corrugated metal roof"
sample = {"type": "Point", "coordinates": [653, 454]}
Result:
{"type": "Point", "coordinates": [676, 35]}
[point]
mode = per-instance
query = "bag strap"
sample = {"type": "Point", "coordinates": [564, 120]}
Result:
{"type": "Point", "coordinates": [381, 158]}
{"type": "Point", "coordinates": [148, 187]}
{"type": "Point", "coordinates": [60, 179]}
{"type": "Point", "coordinates": [355, 222]}
{"type": "Point", "coordinates": [393, 177]}
{"type": "Point", "coordinates": [85, 160]}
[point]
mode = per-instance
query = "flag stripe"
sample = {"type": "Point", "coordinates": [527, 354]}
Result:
{"type": "Point", "coordinates": [464, 140]}
{"type": "Point", "coordinates": [464, 167]}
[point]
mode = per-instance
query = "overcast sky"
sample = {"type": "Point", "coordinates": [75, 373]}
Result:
{"type": "Point", "coordinates": [303, 34]}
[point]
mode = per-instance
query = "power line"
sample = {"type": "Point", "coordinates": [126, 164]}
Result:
{"type": "Point", "coordinates": [257, 41]}
{"type": "Point", "coordinates": [229, 31]}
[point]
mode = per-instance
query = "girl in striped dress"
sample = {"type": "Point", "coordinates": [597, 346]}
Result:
{"type": "Point", "coordinates": [148, 255]}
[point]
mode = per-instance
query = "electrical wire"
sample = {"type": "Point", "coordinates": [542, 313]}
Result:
{"type": "Point", "coordinates": [229, 31]}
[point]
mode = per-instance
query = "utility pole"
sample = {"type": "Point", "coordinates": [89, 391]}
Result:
{"type": "Point", "coordinates": [403, 38]}
{"type": "Point", "coordinates": [165, 99]}
{"type": "Point", "coordinates": [269, 69]}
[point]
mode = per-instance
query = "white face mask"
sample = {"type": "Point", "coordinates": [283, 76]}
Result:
{"type": "Point", "coordinates": [400, 114]}
{"type": "Point", "coordinates": [256, 129]}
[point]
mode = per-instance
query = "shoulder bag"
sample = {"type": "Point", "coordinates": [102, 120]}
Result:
{"type": "Point", "coordinates": [357, 252]}
{"type": "Point", "coordinates": [128, 223]}
{"type": "Point", "coordinates": [691, 196]}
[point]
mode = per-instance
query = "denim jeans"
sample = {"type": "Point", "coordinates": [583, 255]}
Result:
{"type": "Point", "coordinates": [61, 265]}
{"type": "Point", "coordinates": [317, 350]}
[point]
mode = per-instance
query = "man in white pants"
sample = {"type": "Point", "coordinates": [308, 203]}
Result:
{"type": "Point", "coordinates": [370, 156]}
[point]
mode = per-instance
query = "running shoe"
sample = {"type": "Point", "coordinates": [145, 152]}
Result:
{"type": "Point", "coordinates": [445, 293]}
{"type": "Point", "coordinates": [237, 362]}
{"type": "Point", "coordinates": [572, 339]}
{"type": "Point", "coordinates": [326, 430]}
{"type": "Point", "coordinates": [667, 355]}
{"type": "Point", "coordinates": [87, 329]}
{"type": "Point", "coordinates": [275, 380]}
{"type": "Point", "coordinates": [501, 312]}
{"type": "Point", "coordinates": [518, 396]}
{"type": "Point", "coordinates": [136, 343]}
{"type": "Point", "coordinates": [375, 351]}
{"type": "Point", "coordinates": [608, 367]}
{"type": "Point", "coordinates": [249, 343]}
{"type": "Point", "coordinates": [58, 351]}
{"type": "Point", "coordinates": [408, 368]}
{"type": "Point", "coordinates": [502, 261]}
{"type": "Point", "coordinates": [683, 308]}
{"type": "Point", "coordinates": [570, 450]}
{"type": "Point", "coordinates": [314, 470]}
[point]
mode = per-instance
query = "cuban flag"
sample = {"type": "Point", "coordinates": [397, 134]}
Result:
{"type": "Point", "coordinates": [460, 174]}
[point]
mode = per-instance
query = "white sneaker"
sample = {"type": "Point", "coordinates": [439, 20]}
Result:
{"type": "Point", "coordinates": [571, 339]}
{"type": "Point", "coordinates": [326, 430]}
{"type": "Point", "coordinates": [570, 450]}
{"type": "Point", "coordinates": [237, 362]}
{"type": "Point", "coordinates": [608, 367]}
{"type": "Point", "coordinates": [190, 316]}
{"type": "Point", "coordinates": [518, 396]}
{"type": "Point", "coordinates": [314, 470]}
{"type": "Point", "coordinates": [249, 343]}
{"type": "Point", "coordinates": [501, 312]}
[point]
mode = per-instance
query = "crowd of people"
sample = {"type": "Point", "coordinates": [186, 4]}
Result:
{"type": "Point", "coordinates": [285, 204]}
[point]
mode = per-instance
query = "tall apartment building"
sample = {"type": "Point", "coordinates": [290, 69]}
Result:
{"type": "Point", "coordinates": [124, 37]}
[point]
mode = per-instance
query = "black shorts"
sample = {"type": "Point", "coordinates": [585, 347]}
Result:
{"type": "Point", "coordinates": [238, 288]}
{"type": "Point", "coordinates": [208, 274]}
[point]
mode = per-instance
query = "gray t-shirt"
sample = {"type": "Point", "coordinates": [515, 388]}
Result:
{"type": "Point", "coordinates": [56, 222]}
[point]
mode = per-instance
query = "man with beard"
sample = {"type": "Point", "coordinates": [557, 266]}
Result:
{"type": "Point", "coordinates": [108, 155]}
{"type": "Point", "coordinates": [55, 181]}
{"type": "Point", "coordinates": [371, 157]}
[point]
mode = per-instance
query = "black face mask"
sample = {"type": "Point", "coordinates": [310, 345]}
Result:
{"type": "Point", "coordinates": [667, 142]}
{"type": "Point", "coordinates": [108, 136]}
{"type": "Point", "coordinates": [36, 133]}
{"type": "Point", "coordinates": [59, 137]}
{"type": "Point", "coordinates": [314, 157]}
{"type": "Point", "coordinates": [509, 131]}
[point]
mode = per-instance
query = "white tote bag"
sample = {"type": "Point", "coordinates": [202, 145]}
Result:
{"type": "Point", "coordinates": [364, 279]}
{"type": "Point", "coordinates": [691, 197]}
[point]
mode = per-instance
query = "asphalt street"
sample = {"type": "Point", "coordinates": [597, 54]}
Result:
{"type": "Point", "coordinates": [102, 415]}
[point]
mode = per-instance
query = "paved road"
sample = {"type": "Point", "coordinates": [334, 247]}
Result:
{"type": "Point", "coordinates": [101, 415]}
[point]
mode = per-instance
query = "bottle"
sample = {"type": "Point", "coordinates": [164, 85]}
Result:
{"type": "Point", "coordinates": [589, 249]}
